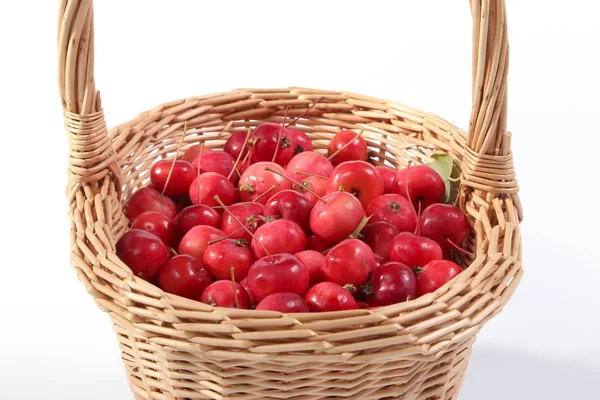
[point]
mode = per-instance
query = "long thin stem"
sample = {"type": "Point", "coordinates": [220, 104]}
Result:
{"type": "Point", "coordinates": [457, 247]}
{"type": "Point", "coordinates": [306, 112]}
{"type": "Point", "coordinates": [175, 159]}
{"type": "Point", "coordinates": [419, 219]}
{"type": "Point", "coordinates": [344, 146]}
{"type": "Point", "coordinates": [198, 172]}
{"type": "Point", "coordinates": [243, 228]}
{"type": "Point", "coordinates": [235, 165]}
{"type": "Point", "coordinates": [360, 227]}
{"type": "Point", "coordinates": [236, 219]}
{"type": "Point", "coordinates": [265, 193]}
{"type": "Point", "coordinates": [328, 250]}
{"type": "Point", "coordinates": [311, 175]}
{"type": "Point", "coordinates": [296, 183]}
{"type": "Point", "coordinates": [248, 155]}
{"type": "Point", "coordinates": [235, 296]}
{"type": "Point", "coordinates": [417, 228]}
{"type": "Point", "coordinates": [280, 134]}
{"type": "Point", "coordinates": [231, 234]}
{"type": "Point", "coordinates": [237, 171]}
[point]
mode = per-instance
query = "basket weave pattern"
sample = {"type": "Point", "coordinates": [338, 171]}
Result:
{"type": "Point", "coordinates": [174, 348]}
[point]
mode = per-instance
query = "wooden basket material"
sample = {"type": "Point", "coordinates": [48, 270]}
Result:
{"type": "Point", "coordinates": [175, 348]}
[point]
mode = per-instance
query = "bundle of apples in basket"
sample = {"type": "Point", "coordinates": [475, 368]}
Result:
{"type": "Point", "coordinates": [268, 223]}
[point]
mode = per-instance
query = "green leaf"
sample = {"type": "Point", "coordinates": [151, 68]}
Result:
{"type": "Point", "coordinates": [449, 169]}
{"type": "Point", "coordinates": [442, 164]}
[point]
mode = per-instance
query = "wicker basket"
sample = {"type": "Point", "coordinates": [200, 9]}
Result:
{"type": "Point", "coordinates": [174, 348]}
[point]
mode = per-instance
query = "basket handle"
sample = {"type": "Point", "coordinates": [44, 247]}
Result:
{"type": "Point", "coordinates": [487, 164]}
{"type": "Point", "coordinates": [488, 142]}
{"type": "Point", "coordinates": [91, 155]}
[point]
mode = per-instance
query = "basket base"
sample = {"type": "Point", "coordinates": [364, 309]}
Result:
{"type": "Point", "coordinates": [430, 380]}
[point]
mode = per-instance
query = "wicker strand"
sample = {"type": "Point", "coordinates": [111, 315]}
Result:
{"type": "Point", "coordinates": [490, 173]}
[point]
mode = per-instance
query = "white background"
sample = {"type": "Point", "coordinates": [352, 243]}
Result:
{"type": "Point", "coordinates": [55, 344]}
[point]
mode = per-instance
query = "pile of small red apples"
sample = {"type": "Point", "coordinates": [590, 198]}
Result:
{"type": "Point", "coordinates": [270, 224]}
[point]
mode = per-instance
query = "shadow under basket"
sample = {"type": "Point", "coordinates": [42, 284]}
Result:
{"type": "Point", "coordinates": [174, 348]}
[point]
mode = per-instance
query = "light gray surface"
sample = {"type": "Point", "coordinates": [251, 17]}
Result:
{"type": "Point", "coordinates": [505, 373]}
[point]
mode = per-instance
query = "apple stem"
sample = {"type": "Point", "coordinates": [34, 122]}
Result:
{"type": "Point", "coordinates": [172, 250]}
{"type": "Point", "coordinates": [232, 234]}
{"type": "Point", "coordinates": [344, 146]}
{"type": "Point", "coordinates": [236, 219]}
{"type": "Point", "coordinates": [235, 165]}
{"type": "Point", "coordinates": [419, 219]}
{"type": "Point", "coordinates": [235, 296]}
{"type": "Point", "coordinates": [237, 171]}
{"type": "Point", "coordinates": [311, 175]}
{"type": "Point", "coordinates": [360, 227]}
{"type": "Point", "coordinates": [295, 182]}
{"type": "Point", "coordinates": [175, 159]}
{"type": "Point", "coordinates": [457, 247]}
{"type": "Point", "coordinates": [198, 172]}
{"type": "Point", "coordinates": [265, 193]}
{"type": "Point", "coordinates": [306, 112]}
{"type": "Point", "coordinates": [251, 152]}
{"type": "Point", "coordinates": [328, 250]}
{"type": "Point", "coordinates": [456, 200]}
{"type": "Point", "coordinates": [280, 134]}
{"type": "Point", "coordinates": [248, 224]}
{"type": "Point", "coordinates": [248, 155]}
{"type": "Point", "coordinates": [417, 229]}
